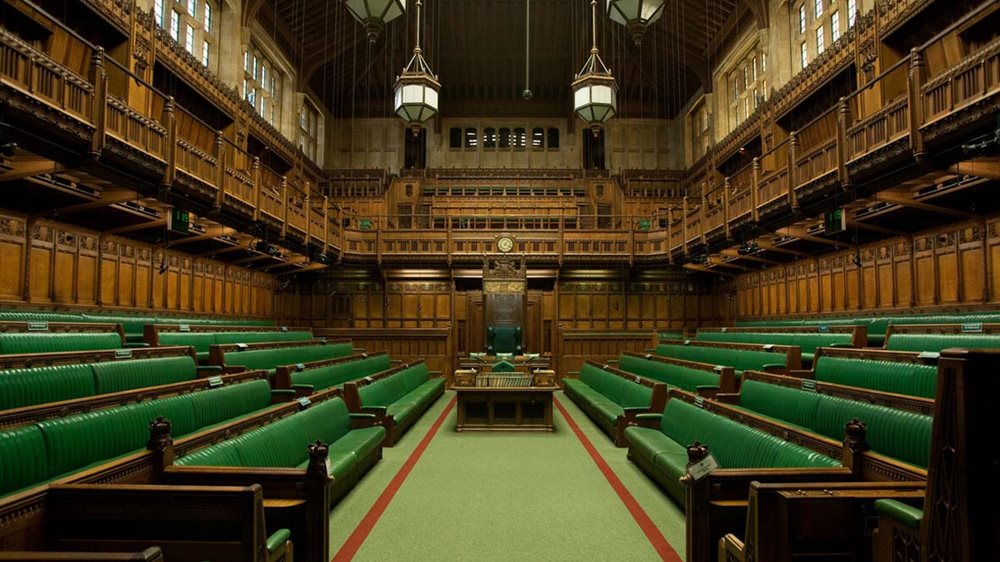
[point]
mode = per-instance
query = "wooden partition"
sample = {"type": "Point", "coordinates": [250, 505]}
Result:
{"type": "Point", "coordinates": [50, 263]}
{"type": "Point", "coordinates": [576, 347]}
{"type": "Point", "coordinates": [408, 346]}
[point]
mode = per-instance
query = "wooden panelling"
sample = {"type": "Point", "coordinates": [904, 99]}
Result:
{"type": "Point", "coordinates": [579, 346]}
{"type": "Point", "coordinates": [947, 266]}
{"type": "Point", "coordinates": [71, 266]}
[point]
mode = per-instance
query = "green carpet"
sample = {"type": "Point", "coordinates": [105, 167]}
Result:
{"type": "Point", "coordinates": [506, 496]}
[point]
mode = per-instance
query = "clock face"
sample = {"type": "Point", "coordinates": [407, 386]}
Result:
{"type": "Point", "coordinates": [505, 244]}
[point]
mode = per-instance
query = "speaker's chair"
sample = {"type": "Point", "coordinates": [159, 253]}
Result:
{"type": "Point", "coordinates": [503, 339]}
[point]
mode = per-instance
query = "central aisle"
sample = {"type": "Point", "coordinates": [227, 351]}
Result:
{"type": "Point", "coordinates": [504, 496]}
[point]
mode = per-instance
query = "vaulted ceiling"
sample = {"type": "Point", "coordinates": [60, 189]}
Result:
{"type": "Point", "coordinates": [477, 47]}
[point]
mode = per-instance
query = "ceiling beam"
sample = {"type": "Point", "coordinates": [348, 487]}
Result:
{"type": "Point", "coordinates": [905, 200]}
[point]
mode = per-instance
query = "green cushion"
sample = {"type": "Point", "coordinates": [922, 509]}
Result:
{"type": "Point", "coordinates": [117, 376]}
{"type": "Point", "coordinates": [335, 375]}
{"type": "Point", "coordinates": [896, 433]}
{"type": "Point", "coordinates": [808, 341]}
{"type": "Point", "coordinates": [38, 385]}
{"type": "Point", "coordinates": [395, 386]}
{"type": "Point", "coordinates": [779, 402]}
{"type": "Point", "coordinates": [359, 441]}
{"type": "Point", "coordinates": [223, 454]}
{"type": "Point", "coordinates": [271, 358]}
{"type": "Point", "coordinates": [938, 342]}
{"type": "Point", "coordinates": [901, 512]}
{"type": "Point", "coordinates": [887, 376]}
{"type": "Point", "coordinates": [45, 342]}
{"type": "Point", "coordinates": [23, 458]}
{"type": "Point", "coordinates": [674, 375]}
{"type": "Point", "coordinates": [635, 395]}
{"type": "Point", "coordinates": [738, 359]}
{"type": "Point", "coordinates": [415, 376]}
{"type": "Point", "coordinates": [239, 399]}
{"type": "Point", "coordinates": [200, 341]}
{"type": "Point", "coordinates": [280, 444]}
{"type": "Point", "coordinates": [327, 421]}
{"type": "Point", "coordinates": [374, 394]}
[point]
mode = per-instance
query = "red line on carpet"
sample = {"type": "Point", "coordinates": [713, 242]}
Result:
{"type": "Point", "coordinates": [364, 528]}
{"type": "Point", "coordinates": [656, 538]}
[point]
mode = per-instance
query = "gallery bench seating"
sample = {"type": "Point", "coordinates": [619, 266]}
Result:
{"type": "Point", "coordinates": [899, 372]}
{"type": "Point", "coordinates": [188, 523]}
{"type": "Point", "coordinates": [807, 338]}
{"type": "Point", "coordinates": [314, 376]}
{"type": "Point", "coordinates": [39, 378]}
{"type": "Point", "coordinates": [269, 356]}
{"type": "Point", "coordinates": [937, 337]}
{"type": "Point", "coordinates": [701, 378]}
{"type": "Point", "coordinates": [202, 337]}
{"type": "Point", "coordinates": [878, 325]}
{"type": "Point", "coordinates": [611, 397]}
{"type": "Point", "coordinates": [38, 453]}
{"type": "Point", "coordinates": [48, 337]}
{"type": "Point", "coordinates": [398, 397]}
{"type": "Point", "coordinates": [899, 427]}
{"type": "Point", "coordinates": [53, 410]}
{"type": "Point", "coordinates": [740, 356]}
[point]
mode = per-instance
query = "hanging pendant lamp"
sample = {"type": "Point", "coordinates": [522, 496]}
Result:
{"type": "Point", "coordinates": [635, 15]}
{"type": "Point", "coordinates": [595, 91]}
{"type": "Point", "coordinates": [374, 14]}
{"type": "Point", "coordinates": [417, 88]}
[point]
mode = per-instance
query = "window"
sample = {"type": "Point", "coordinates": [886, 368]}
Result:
{"type": "Point", "coordinates": [818, 8]}
{"type": "Point", "coordinates": [262, 85]}
{"type": "Point", "coordinates": [834, 27]}
{"type": "Point", "coordinates": [553, 139]}
{"type": "Point", "coordinates": [455, 138]}
{"type": "Point", "coordinates": [852, 9]}
{"type": "Point", "coordinates": [803, 55]}
{"type": "Point", "coordinates": [745, 81]}
{"type": "Point", "coordinates": [489, 138]}
{"type": "Point", "coordinates": [802, 18]}
{"type": "Point", "coordinates": [189, 23]}
{"type": "Point", "coordinates": [819, 40]}
{"type": "Point", "coordinates": [538, 138]}
{"type": "Point", "coordinates": [309, 130]}
{"type": "Point", "coordinates": [520, 138]}
{"type": "Point", "coordinates": [471, 138]}
{"type": "Point", "coordinates": [175, 25]}
{"type": "Point", "coordinates": [504, 137]}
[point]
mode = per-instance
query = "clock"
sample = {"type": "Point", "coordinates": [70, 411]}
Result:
{"type": "Point", "coordinates": [505, 244]}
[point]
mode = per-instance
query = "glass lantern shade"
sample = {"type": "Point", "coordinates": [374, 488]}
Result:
{"type": "Point", "coordinates": [374, 14]}
{"type": "Point", "coordinates": [635, 15]}
{"type": "Point", "coordinates": [416, 98]}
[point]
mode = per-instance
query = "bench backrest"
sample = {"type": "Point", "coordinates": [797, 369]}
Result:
{"type": "Point", "coordinates": [939, 342]}
{"type": "Point", "coordinates": [47, 449]}
{"type": "Point", "coordinates": [807, 341]}
{"type": "Point", "coordinates": [272, 357]}
{"type": "Point", "coordinates": [739, 359]}
{"type": "Point", "coordinates": [202, 340]}
{"type": "Point", "coordinates": [733, 444]}
{"type": "Point", "coordinates": [913, 379]}
{"type": "Point", "coordinates": [623, 391]}
{"type": "Point", "coordinates": [679, 376]}
{"type": "Point", "coordinates": [39, 385]}
{"type": "Point", "coordinates": [333, 375]}
{"type": "Point", "coordinates": [46, 342]}
{"type": "Point", "coordinates": [283, 443]}
{"type": "Point", "coordinates": [391, 387]}
{"type": "Point", "coordinates": [899, 434]}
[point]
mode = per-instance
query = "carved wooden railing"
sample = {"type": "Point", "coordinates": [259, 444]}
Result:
{"type": "Point", "coordinates": [886, 125]}
{"type": "Point", "coordinates": [974, 79]}
{"type": "Point", "coordinates": [739, 195]}
{"type": "Point", "coordinates": [24, 68]}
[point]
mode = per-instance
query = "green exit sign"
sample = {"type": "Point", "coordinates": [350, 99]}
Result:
{"type": "Point", "coordinates": [179, 221]}
{"type": "Point", "coordinates": [834, 221]}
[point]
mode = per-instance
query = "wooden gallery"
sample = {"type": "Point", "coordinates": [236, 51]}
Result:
{"type": "Point", "coordinates": [499, 280]}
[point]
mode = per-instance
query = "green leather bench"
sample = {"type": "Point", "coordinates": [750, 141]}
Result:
{"type": "Point", "coordinates": [612, 397]}
{"type": "Point", "coordinates": [39, 453]}
{"type": "Point", "coordinates": [40, 385]}
{"type": "Point", "coordinates": [49, 342]}
{"type": "Point", "coordinates": [398, 396]}
{"type": "Point", "coordinates": [909, 378]}
{"type": "Point", "coordinates": [686, 375]}
{"type": "Point", "coordinates": [939, 342]}
{"type": "Point", "coordinates": [807, 342]}
{"type": "Point", "coordinates": [202, 341]}
{"type": "Point", "coordinates": [662, 452]}
{"type": "Point", "coordinates": [741, 357]}
{"type": "Point", "coordinates": [268, 356]}
{"type": "Point", "coordinates": [135, 324]}
{"type": "Point", "coordinates": [284, 444]}
{"type": "Point", "coordinates": [879, 325]}
{"type": "Point", "coordinates": [900, 434]}
{"type": "Point", "coordinates": [307, 378]}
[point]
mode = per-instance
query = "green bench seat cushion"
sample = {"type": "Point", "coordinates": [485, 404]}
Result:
{"type": "Point", "coordinates": [337, 374]}
{"type": "Point", "coordinates": [268, 359]}
{"type": "Point", "coordinates": [22, 458]}
{"type": "Point", "coordinates": [117, 376]}
{"type": "Point", "coordinates": [200, 341]}
{"type": "Point", "coordinates": [740, 360]}
{"type": "Point", "coordinates": [901, 378]}
{"type": "Point", "coordinates": [808, 342]}
{"type": "Point", "coordinates": [606, 394]}
{"type": "Point", "coordinates": [938, 342]}
{"type": "Point", "coordinates": [674, 375]}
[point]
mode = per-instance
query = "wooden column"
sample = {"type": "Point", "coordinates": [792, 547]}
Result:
{"type": "Point", "coordinates": [99, 107]}
{"type": "Point", "coordinates": [918, 71]}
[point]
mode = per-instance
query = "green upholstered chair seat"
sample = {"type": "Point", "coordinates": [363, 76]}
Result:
{"type": "Point", "coordinates": [900, 512]}
{"type": "Point", "coordinates": [68, 445]}
{"type": "Point", "coordinates": [912, 379]}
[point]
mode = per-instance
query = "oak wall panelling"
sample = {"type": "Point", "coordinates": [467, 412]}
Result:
{"type": "Point", "coordinates": [58, 265]}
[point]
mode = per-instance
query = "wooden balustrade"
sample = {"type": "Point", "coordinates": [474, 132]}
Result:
{"type": "Point", "coordinates": [23, 67]}
{"type": "Point", "coordinates": [976, 78]}
{"type": "Point", "coordinates": [816, 163]}
{"type": "Point", "coordinates": [884, 126]}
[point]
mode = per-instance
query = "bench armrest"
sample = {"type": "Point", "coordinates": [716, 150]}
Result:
{"type": "Point", "coordinates": [204, 371]}
{"type": "Point", "coordinates": [303, 389]}
{"type": "Point", "coordinates": [707, 390]}
{"type": "Point", "coordinates": [282, 395]}
{"type": "Point", "coordinates": [801, 373]}
{"type": "Point", "coordinates": [648, 420]}
{"type": "Point", "coordinates": [277, 540]}
{"type": "Point", "coordinates": [902, 513]}
{"type": "Point", "coordinates": [636, 410]}
{"type": "Point", "coordinates": [728, 397]}
{"type": "Point", "coordinates": [840, 345]}
{"type": "Point", "coordinates": [777, 368]}
{"type": "Point", "coordinates": [136, 345]}
{"type": "Point", "coordinates": [373, 410]}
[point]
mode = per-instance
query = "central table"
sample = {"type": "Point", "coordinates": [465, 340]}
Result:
{"type": "Point", "coordinates": [526, 408]}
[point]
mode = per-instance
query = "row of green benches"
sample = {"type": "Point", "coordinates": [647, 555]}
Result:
{"type": "Point", "coordinates": [877, 326]}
